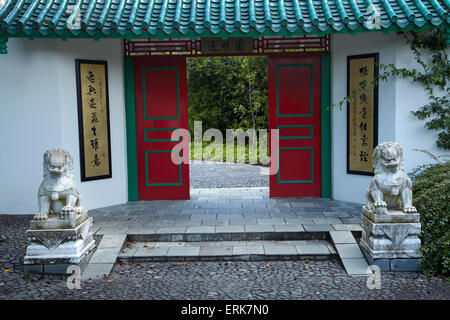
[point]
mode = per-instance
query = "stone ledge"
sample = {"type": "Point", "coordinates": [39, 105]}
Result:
{"type": "Point", "coordinates": [394, 216]}
{"type": "Point", "coordinates": [394, 264]}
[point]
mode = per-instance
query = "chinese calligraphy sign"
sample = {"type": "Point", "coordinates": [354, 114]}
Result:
{"type": "Point", "coordinates": [362, 112]}
{"type": "Point", "coordinates": [93, 119]}
{"type": "Point", "coordinates": [227, 46]}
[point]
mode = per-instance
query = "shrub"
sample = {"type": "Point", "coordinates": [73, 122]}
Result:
{"type": "Point", "coordinates": [431, 197]}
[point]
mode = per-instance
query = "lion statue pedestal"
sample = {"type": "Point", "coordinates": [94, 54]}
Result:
{"type": "Point", "coordinates": [391, 224]}
{"type": "Point", "coordinates": [59, 235]}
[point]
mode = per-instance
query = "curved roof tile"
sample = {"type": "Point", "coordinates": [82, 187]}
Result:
{"type": "Point", "coordinates": [194, 18]}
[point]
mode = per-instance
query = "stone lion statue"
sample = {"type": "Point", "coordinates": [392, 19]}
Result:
{"type": "Point", "coordinates": [390, 187]}
{"type": "Point", "coordinates": [58, 194]}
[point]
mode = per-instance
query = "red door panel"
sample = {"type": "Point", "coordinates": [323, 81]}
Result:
{"type": "Point", "coordinates": [161, 109]}
{"type": "Point", "coordinates": [294, 109]}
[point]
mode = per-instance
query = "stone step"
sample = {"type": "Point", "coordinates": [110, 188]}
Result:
{"type": "Point", "coordinates": [229, 233]}
{"type": "Point", "coordinates": [160, 251]}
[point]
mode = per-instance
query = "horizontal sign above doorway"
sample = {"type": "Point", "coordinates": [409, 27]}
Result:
{"type": "Point", "coordinates": [227, 46]}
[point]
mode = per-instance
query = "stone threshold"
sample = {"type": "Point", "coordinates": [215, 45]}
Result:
{"type": "Point", "coordinates": [227, 251]}
{"type": "Point", "coordinates": [234, 236]}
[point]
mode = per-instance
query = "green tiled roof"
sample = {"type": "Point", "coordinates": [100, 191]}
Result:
{"type": "Point", "coordinates": [206, 18]}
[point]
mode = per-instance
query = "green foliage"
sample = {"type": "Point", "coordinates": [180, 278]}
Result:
{"type": "Point", "coordinates": [228, 92]}
{"type": "Point", "coordinates": [429, 48]}
{"type": "Point", "coordinates": [431, 197]}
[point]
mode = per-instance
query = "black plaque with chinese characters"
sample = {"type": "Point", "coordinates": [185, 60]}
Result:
{"type": "Point", "coordinates": [93, 119]}
{"type": "Point", "coordinates": [362, 112]}
{"type": "Point", "coordinates": [227, 46]}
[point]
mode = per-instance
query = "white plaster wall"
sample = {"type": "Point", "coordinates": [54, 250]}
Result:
{"type": "Point", "coordinates": [38, 111]}
{"type": "Point", "coordinates": [351, 187]}
{"type": "Point", "coordinates": [410, 132]}
{"type": "Point", "coordinates": [397, 98]}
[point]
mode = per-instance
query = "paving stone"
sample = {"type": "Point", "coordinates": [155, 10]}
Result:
{"type": "Point", "coordinates": [351, 220]}
{"type": "Point", "coordinates": [347, 227]}
{"type": "Point", "coordinates": [229, 229]}
{"type": "Point", "coordinates": [200, 244]}
{"type": "Point", "coordinates": [317, 209]}
{"type": "Point", "coordinates": [242, 222]}
{"type": "Point", "coordinates": [356, 266]}
{"type": "Point", "coordinates": [288, 228]}
{"type": "Point", "coordinates": [201, 229]}
{"type": "Point", "coordinates": [142, 230]}
{"type": "Point", "coordinates": [271, 221]}
{"type": "Point", "coordinates": [107, 255]}
{"type": "Point", "coordinates": [317, 227]}
{"type": "Point", "coordinates": [112, 241]}
{"type": "Point", "coordinates": [299, 221]}
{"type": "Point", "coordinates": [216, 251]}
{"type": "Point", "coordinates": [327, 221]}
{"type": "Point", "coordinates": [280, 250]}
{"type": "Point", "coordinates": [245, 250]}
{"type": "Point", "coordinates": [183, 251]}
{"type": "Point", "coordinates": [341, 237]}
{"type": "Point", "coordinates": [259, 228]}
{"type": "Point", "coordinates": [215, 222]}
{"type": "Point", "coordinates": [349, 251]}
{"type": "Point", "coordinates": [230, 243]}
{"type": "Point", "coordinates": [96, 271]}
{"type": "Point", "coordinates": [337, 214]}
{"type": "Point", "coordinates": [155, 252]}
{"type": "Point", "coordinates": [315, 249]}
{"type": "Point", "coordinates": [170, 230]}
{"type": "Point", "coordinates": [163, 244]}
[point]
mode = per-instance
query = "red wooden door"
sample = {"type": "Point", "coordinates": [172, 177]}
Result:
{"type": "Point", "coordinates": [161, 109]}
{"type": "Point", "coordinates": [294, 109]}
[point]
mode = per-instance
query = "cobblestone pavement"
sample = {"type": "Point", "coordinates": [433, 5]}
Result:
{"type": "Point", "coordinates": [205, 280]}
{"type": "Point", "coordinates": [213, 174]}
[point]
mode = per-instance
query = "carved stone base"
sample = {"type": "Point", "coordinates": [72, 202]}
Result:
{"type": "Point", "coordinates": [391, 239]}
{"type": "Point", "coordinates": [53, 250]}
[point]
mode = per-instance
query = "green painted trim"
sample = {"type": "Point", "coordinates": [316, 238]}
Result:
{"type": "Point", "coordinates": [161, 129]}
{"type": "Point", "coordinates": [145, 92]}
{"type": "Point", "coordinates": [191, 34]}
{"type": "Point", "coordinates": [131, 129]}
{"type": "Point", "coordinates": [326, 124]}
{"type": "Point", "coordinates": [312, 166]}
{"type": "Point", "coordinates": [3, 46]}
{"type": "Point", "coordinates": [311, 102]}
{"type": "Point", "coordinates": [148, 184]}
{"type": "Point", "coordinates": [295, 137]}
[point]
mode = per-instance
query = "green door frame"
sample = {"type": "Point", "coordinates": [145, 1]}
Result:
{"type": "Point", "coordinates": [131, 126]}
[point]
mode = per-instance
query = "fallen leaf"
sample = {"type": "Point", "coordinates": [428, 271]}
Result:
{"type": "Point", "coordinates": [116, 277]}
{"type": "Point", "coordinates": [323, 282]}
{"type": "Point", "coordinates": [109, 281]}
{"type": "Point", "coordinates": [148, 247]}
{"type": "Point", "coordinates": [271, 264]}
{"type": "Point", "coordinates": [151, 266]}
{"type": "Point", "coordinates": [124, 262]}
{"type": "Point", "coordinates": [181, 263]}
{"type": "Point", "coordinates": [7, 270]}
{"type": "Point", "coordinates": [134, 274]}
{"type": "Point", "coordinates": [306, 261]}
{"type": "Point", "coordinates": [129, 245]}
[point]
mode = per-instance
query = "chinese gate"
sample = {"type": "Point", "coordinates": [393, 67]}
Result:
{"type": "Point", "coordinates": [157, 107]}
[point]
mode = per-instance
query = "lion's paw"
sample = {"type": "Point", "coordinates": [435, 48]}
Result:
{"type": "Point", "coordinates": [378, 204]}
{"type": "Point", "coordinates": [66, 211]}
{"type": "Point", "coordinates": [410, 209]}
{"type": "Point", "coordinates": [41, 216]}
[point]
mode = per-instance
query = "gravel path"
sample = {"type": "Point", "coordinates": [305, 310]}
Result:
{"type": "Point", "coordinates": [205, 280]}
{"type": "Point", "coordinates": [212, 174]}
